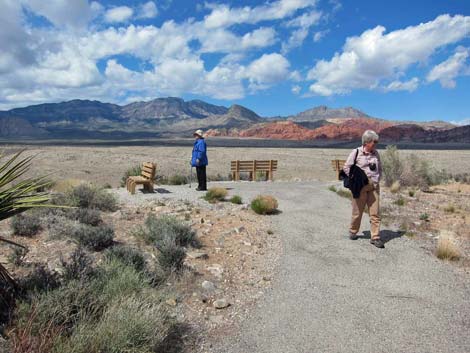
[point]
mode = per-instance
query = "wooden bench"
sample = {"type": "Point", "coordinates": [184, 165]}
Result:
{"type": "Point", "coordinates": [145, 178]}
{"type": "Point", "coordinates": [252, 167]}
{"type": "Point", "coordinates": [337, 165]}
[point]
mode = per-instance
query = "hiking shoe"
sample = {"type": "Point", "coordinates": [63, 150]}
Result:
{"type": "Point", "coordinates": [377, 243]}
{"type": "Point", "coordinates": [197, 189]}
{"type": "Point", "coordinates": [353, 236]}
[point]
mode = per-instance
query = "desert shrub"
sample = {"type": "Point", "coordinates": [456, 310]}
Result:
{"type": "Point", "coordinates": [177, 179]}
{"type": "Point", "coordinates": [332, 188]}
{"type": "Point", "coordinates": [93, 238]}
{"type": "Point", "coordinates": [463, 178]}
{"type": "Point", "coordinates": [424, 217]}
{"type": "Point", "coordinates": [170, 256]}
{"type": "Point", "coordinates": [126, 255]}
{"type": "Point", "coordinates": [158, 228]}
{"type": "Point", "coordinates": [40, 279]}
{"type": "Point", "coordinates": [88, 216]}
{"type": "Point", "coordinates": [446, 248]}
{"type": "Point", "coordinates": [236, 200]}
{"type": "Point", "coordinates": [410, 171]}
{"type": "Point", "coordinates": [26, 224]}
{"type": "Point", "coordinates": [219, 177]}
{"type": "Point", "coordinates": [17, 255]}
{"type": "Point", "coordinates": [264, 204]}
{"type": "Point", "coordinates": [449, 208]}
{"type": "Point", "coordinates": [78, 267]}
{"type": "Point", "coordinates": [400, 201]}
{"type": "Point", "coordinates": [395, 187]}
{"type": "Point", "coordinates": [215, 194]}
{"type": "Point", "coordinates": [392, 166]}
{"type": "Point", "coordinates": [344, 193]}
{"type": "Point", "coordinates": [132, 324]}
{"type": "Point", "coordinates": [61, 227]}
{"type": "Point", "coordinates": [88, 196]}
{"type": "Point", "coordinates": [133, 171]}
{"type": "Point", "coordinates": [411, 193]}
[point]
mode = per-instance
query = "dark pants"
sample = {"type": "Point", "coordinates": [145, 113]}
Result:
{"type": "Point", "coordinates": [201, 177]}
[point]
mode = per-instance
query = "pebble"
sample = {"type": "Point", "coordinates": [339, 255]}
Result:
{"type": "Point", "coordinates": [171, 302]}
{"type": "Point", "coordinates": [216, 270]}
{"type": "Point", "coordinates": [238, 230]}
{"type": "Point", "coordinates": [220, 304]}
{"type": "Point", "coordinates": [208, 286]}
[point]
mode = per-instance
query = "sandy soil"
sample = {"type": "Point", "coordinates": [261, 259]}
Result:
{"type": "Point", "coordinates": [107, 164]}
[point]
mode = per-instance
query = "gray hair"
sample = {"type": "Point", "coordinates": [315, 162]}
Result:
{"type": "Point", "coordinates": [369, 136]}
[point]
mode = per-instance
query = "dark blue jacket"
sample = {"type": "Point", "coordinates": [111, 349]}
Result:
{"type": "Point", "coordinates": [199, 152]}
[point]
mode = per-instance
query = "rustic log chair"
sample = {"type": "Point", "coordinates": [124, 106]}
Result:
{"type": "Point", "coordinates": [146, 178]}
{"type": "Point", "coordinates": [337, 165]}
{"type": "Point", "coordinates": [252, 167]}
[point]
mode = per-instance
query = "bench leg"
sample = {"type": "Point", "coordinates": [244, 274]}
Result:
{"type": "Point", "coordinates": [133, 185]}
{"type": "Point", "coordinates": [251, 176]}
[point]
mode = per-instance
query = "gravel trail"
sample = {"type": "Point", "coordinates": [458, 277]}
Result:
{"type": "Point", "coordinates": [332, 294]}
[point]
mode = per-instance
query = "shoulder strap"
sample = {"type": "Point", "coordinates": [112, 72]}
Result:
{"type": "Point", "coordinates": [355, 158]}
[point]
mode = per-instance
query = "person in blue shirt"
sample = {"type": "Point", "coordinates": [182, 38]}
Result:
{"type": "Point", "coordinates": [199, 160]}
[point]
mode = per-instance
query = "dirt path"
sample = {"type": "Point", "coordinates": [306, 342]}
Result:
{"type": "Point", "coordinates": [335, 295]}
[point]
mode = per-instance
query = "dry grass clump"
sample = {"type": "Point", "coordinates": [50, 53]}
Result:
{"type": "Point", "coordinates": [446, 247]}
{"type": "Point", "coordinates": [216, 194]}
{"type": "Point", "coordinates": [449, 208]}
{"type": "Point", "coordinates": [395, 187]}
{"type": "Point", "coordinates": [264, 204]}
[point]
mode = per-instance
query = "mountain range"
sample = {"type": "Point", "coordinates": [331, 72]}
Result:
{"type": "Point", "coordinates": [174, 117]}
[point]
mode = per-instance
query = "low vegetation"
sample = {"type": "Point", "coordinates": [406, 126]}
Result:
{"type": "Point", "coordinates": [26, 224]}
{"type": "Point", "coordinates": [133, 171]}
{"type": "Point", "coordinates": [411, 171]}
{"type": "Point", "coordinates": [236, 200]}
{"type": "Point", "coordinates": [216, 194]}
{"type": "Point", "coordinates": [446, 248]}
{"type": "Point", "coordinates": [264, 204]}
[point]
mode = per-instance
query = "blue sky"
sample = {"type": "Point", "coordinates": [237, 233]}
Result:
{"type": "Point", "coordinates": [403, 60]}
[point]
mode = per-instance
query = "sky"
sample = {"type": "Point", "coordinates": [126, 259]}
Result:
{"type": "Point", "coordinates": [401, 60]}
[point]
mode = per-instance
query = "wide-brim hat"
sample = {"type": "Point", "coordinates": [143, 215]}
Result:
{"type": "Point", "coordinates": [198, 132]}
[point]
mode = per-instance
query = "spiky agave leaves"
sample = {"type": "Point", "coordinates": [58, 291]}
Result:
{"type": "Point", "coordinates": [17, 194]}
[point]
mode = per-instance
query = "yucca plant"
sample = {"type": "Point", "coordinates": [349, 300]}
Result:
{"type": "Point", "coordinates": [18, 194]}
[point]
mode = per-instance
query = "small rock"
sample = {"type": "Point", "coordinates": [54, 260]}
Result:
{"type": "Point", "coordinates": [216, 270]}
{"type": "Point", "coordinates": [208, 286]}
{"type": "Point", "coordinates": [171, 302]}
{"type": "Point", "coordinates": [238, 230]}
{"type": "Point", "coordinates": [202, 221]}
{"type": "Point", "coordinates": [220, 304]}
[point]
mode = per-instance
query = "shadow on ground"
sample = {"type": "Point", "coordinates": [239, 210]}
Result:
{"type": "Point", "coordinates": [385, 235]}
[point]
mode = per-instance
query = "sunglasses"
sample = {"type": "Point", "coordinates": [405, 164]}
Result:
{"type": "Point", "coordinates": [376, 141]}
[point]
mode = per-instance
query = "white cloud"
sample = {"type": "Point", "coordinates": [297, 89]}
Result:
{"type": "Point", "coordinates": [462, 122]}
{"type": "Point", "coordinates": [318, 36]}
{"type": "Point", "coordinates": [61, 13]}
{"type": "Point", "coordinates": [373, 56]}
{"type": "Point", "coordinates": [296, 89]}
{"type": "Point", "coordinates": [118, 14]}
{"type": "Point", "coordinates": [397, 85]}
{"type": "Point", "coordinates": [268, 69]}
{"type": "Point", "coordinates": [225, 16]}
{"type": "Point", "coordinates": [302, 24]}
{"type": "Point", "coordinates": [447, 71]}
{"type": "Point", "coordinates": [147, 10]}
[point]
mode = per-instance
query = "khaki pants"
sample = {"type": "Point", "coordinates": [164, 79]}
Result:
{"type": "Point", "coordinates": [369, 196]}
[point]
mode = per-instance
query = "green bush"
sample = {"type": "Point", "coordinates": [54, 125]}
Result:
{"type": "Point", "coordinates": [87, 196]}
{"type": "Point", "coordinates": [332, 188]}
{"type": "Point", "coordinates": [170, 256]}
{"type": "Point", "coordinates": [158, 228]}
{"type": "Point", "coordinates": [26, 224]}
{"type": "Point", "coordinates": [215, 194]}
{"type": "Point", "coordinates": [264, 204]}
{"type": "Point", "coordinates": [127, 256]}
{"type": "Point", "coordinates": [344, 193]}
{"type": "Point", "coordinates": [424, 217]}
{"type": "Point", "coordinates": [39, 280]}
{"type": "Point", "coordinates": [392, 166]}
{"type": "Point", "coordinates": [93, 238]}
{"type": "Point", "coordinates": [400, 201]}
{"type": "Point", "coordinates": [17, 256]}
{"type": "Point", "coordinates": [134, 171]}
{"type": "Point", "coordinates": [79, 267]}
{"type": "Point", "coordinates": [177, 179]}
{"type": "Point", "coordinates": [236, 200]}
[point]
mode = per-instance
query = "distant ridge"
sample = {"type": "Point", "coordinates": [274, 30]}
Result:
{"type": "Point", "coordinates": [175, 117]}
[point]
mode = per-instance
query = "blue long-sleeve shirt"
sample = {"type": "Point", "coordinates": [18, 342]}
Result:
{"type": "Point", "coordinates": [199, 153]}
